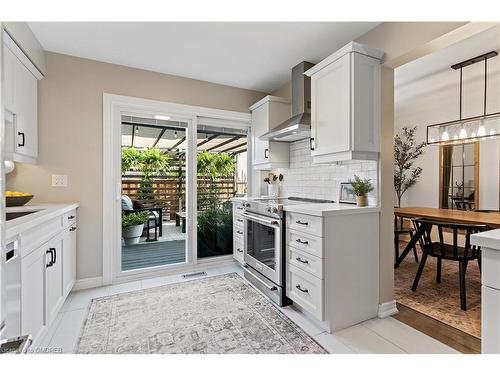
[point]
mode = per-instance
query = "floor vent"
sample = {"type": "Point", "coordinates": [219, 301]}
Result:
{"type": "Point", "coordinates": [194, 274]}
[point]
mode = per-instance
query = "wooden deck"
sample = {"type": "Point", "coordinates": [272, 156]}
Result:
{"type": "Point", "coordinates": [151, 254]}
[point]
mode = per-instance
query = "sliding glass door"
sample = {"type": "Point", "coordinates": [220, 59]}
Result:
{"type": "Point", "coordinates": [154, 216]}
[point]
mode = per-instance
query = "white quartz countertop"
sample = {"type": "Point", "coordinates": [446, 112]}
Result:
{"type": "Point", "coordinates": [329, 209]}
{"type": "Point", "coordinates": [44, 212]}
{"type": "Point", "coordinates": [489, 239]}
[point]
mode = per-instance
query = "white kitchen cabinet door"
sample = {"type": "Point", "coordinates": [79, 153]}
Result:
{"type": "Point", "coordinates": [266, 115]}
{"type": "Point", "coordinates": [53, 278]}
{"type": "Point", "coordinates": [260, 152]}
{"type": "Point", "coordinates": [26, 115]}
{"type": "Point", "coordinates": [330, 112]}
{"type": "Point", "coordinates": [69, 259]}
{"type": "Point", "coordinates": [345, 105]}
{"type": "Point", "coordinates": [33, 291]}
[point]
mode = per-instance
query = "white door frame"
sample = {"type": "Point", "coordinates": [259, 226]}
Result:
{"type": "Point", "coordinates": [113, 107]}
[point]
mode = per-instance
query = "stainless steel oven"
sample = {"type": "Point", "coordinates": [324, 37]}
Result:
{"type": "Point", "coordinates": [263, 244]}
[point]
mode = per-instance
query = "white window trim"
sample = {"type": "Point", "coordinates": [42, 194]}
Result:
{"type": "Point", "coordinates": [113, 107]}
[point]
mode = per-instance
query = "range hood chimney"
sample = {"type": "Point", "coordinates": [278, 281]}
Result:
{"type": "Point", "coordinates": [299, 125]}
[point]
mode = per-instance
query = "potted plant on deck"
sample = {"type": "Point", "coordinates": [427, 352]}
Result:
{"type": "Point", "coordinates": [360, 188]}
{"type": "Point", "coordinates": [132, 226]}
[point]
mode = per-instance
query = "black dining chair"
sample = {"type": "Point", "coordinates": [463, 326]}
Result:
{"type": "Point", "coordinates": [444, 251]}
{"type": "Point", "coordinates": [400, 230]}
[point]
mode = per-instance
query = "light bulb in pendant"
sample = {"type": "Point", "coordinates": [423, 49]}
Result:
{"type": "Point", "coordinates": [481, 131]}
{"type": "Point", "coordinates": [445, 137]}
{"type": "Point", "coordinates": [462, 134]}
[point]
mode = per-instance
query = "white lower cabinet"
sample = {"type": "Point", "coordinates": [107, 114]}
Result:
{"type": "Point", "coordinates": [33, 292]}
{"type": "Point", "coordinates": [332, 266]}
{"type": "Point", "coordinates": [238, 239]}
{"type": "Point", "coordinates": [48, 273]}
{"type": "Point", "coordinates": [53, 279]}
{"type": "Point", "coordinates": [69, 259]}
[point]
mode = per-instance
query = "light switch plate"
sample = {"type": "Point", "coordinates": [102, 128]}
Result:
{"type": "Point", "coordinates": [59, 180]}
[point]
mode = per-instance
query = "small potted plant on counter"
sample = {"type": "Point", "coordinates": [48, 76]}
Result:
{"type": "Point", "coordinates": [360, 188]}
{"type": "Point", "coordinates": [132, 226]}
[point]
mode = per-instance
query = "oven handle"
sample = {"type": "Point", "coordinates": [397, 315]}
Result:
{"type": "Point", "coordinates": [261, 220]}
{"type": "Point", "coordinates": [270, 287]}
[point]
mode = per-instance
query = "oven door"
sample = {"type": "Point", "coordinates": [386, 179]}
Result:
{"type": "Point", "coordinates": [263, 245]}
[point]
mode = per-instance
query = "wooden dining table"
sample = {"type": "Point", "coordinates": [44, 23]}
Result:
{"type": "Point", "coordinates": [491, 219]}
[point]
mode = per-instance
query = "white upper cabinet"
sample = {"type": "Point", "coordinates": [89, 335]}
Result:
{"type": "Point", "coordinates": [21, 81]}
{"type": "Point", "coordinates": [345, 105]}
{"type": "Point", "coordinates": [267, 114]}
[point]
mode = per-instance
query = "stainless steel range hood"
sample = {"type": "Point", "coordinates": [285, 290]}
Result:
{"type": "Point", "coordinates": [299, 125]}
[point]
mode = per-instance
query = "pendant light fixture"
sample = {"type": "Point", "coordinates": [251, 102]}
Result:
{"type": "Point", "coordinates": [468, 129]}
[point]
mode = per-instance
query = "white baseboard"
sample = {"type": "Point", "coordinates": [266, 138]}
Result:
{"type": "Point", "coordinates": [90, 282]}
{"type": "Point", "coordinates": [387, 309]}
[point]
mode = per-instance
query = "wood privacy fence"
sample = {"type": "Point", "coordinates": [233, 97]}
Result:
{"type": "Point", "coordinates": [169, 191]}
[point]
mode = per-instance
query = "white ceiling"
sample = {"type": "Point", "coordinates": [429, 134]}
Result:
{"type": "Point", "coordinates": [442, 60]}
{"type": "Point", "coordinates": [255, 55]}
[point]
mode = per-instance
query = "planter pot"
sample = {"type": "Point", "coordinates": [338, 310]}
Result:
{"type": "Point", "coordinates": [131, 235]}
{"type": "Point", "coordinates": [361, 201]}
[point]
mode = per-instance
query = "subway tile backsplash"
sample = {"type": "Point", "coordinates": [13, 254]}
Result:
{"type": "Point", "coordinates": [321, 181]}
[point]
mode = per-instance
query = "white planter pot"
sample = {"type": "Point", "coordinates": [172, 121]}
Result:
{"type": "Point", "coordinates": [132, 234]}
{"type": "Point", "coordinates": [273, 190]}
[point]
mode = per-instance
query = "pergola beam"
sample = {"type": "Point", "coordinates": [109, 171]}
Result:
{"type": "Point", "coordinates": [233, 147]}
{"type": "Point", "coordinates": [207, 140]}
{"type": "Point", "coordinates": [178, 143]}
{"type": "Point", "coordinates": [159, 137]}
{"type": "Point", "coordinates": [224, 143]}
{"type": "Point", "coordinates": [239, 151]}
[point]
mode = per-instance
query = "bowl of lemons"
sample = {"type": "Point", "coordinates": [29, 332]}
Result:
{"type": "Point", "coordinates": [17, 198]}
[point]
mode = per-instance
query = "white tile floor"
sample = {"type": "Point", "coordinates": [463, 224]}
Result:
{"type": "Point", "coordinates": [374, 336]}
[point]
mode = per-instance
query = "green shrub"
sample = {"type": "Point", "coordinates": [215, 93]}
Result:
{"type": "Point", "coordinates": [135, 218]}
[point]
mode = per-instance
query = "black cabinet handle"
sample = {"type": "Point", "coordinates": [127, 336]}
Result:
{"type": "Point", "coordinates": [72, 229]}
{"type": "Point", "coordinates": [71, 217]}
{"type": "Point", "coordinates": [240, 220]}
{"type": "Point", "coordinates": [302, 222]}
{"type": "Point", "coordinates": [311, 143]}
{"type": "Point", "coordinates": [302, 242]}
{"type": "Point", "coordinates": [299, 259]}
{"type": "Point", "coordinates": [239, 250]}
{"type": "Point", "coordinates": [239, 232]}
{"type": "Point", "coordinates": [55, 254]}
{"type": "Point", "coordinates": [21, 144]}
{"type": "Point", "coordinates": [266, 153]}
{"type": "Point", "coordinates": [51, 261]}
{"type": "Point", "coordinates": [302, 290]}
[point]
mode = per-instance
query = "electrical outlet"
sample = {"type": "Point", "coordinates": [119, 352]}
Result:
{"type": "Point", "coordinates": [59, 180]}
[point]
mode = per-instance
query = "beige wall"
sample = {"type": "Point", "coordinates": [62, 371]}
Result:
{"type": "Point", "coordinates": [70, 134]}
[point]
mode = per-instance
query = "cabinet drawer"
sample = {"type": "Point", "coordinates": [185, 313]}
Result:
{"type": "Point", "coordinates": [238, 251]}
{"type": "Point", "coordinates": [308, 243]}
{"type": "Point", "coordinates": [69, 218]}
{"type": "Point", "coordinates": [238, 220]}
{"type": "Point", "coordinates": [305, 290]}
{"type": "Point", "coordinates": [305, 262]}
{"type": "Point", "coordinates": [238, 234]}
{"type": "Point", "coordinates": [305, 223]}
{"type": "Point", "coordinates": [32, 238]}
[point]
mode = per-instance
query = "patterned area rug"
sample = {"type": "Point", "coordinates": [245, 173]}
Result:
{"type": "Point", "coordinates": [441, 301]}
{"type": "Point", "coordinates": [220, 314]}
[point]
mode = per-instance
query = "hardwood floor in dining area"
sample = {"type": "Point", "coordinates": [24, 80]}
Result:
{"type": "Point", "coordinates": [434, 308]}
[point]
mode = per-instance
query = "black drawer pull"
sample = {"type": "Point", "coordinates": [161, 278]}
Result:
{"type": "Point", "coordinates": [302, 290]}
{"type": "Point", "coordinates": [71, 217]}
{"type": "Point", "coordinates": [302, 242]}
{"type": "Point", "coordinates": [311, 143]}
{"type": "Point", "coordinates": [239, 250]}
{"type": "Point", "coordinates": [51, 261]}
{"type": "Point", "coordinates": [302, 222]}
{"type": "Point", "coordinates": [266, 153]}
{"type": "Point", "coordinates": [299, 259]}
{"type": "Point", "coordinates": [72, 229]}
{"type": "Point", "coordinates": [239, 220]}
{"type": "Point", "coordinates": [239, 232]}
